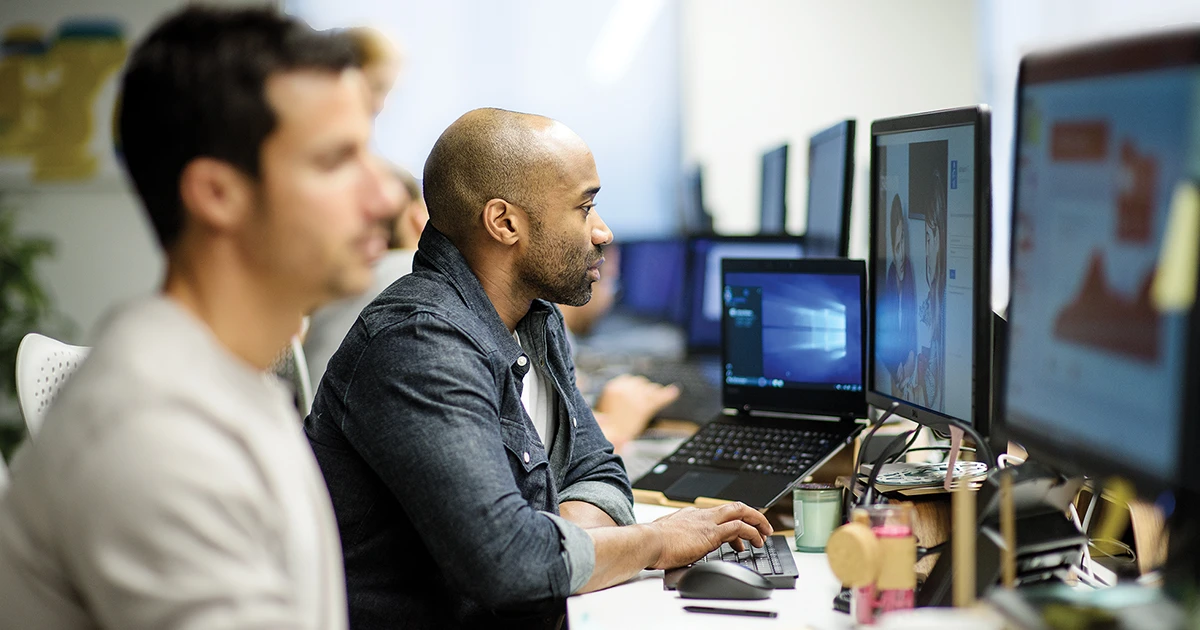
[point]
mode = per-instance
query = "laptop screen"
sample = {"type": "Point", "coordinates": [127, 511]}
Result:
{"type": "Point", "coordinates": [793, 334]}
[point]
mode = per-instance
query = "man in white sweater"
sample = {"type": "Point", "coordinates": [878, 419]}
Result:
{"type": "Point", "coordinates": [171, 485]}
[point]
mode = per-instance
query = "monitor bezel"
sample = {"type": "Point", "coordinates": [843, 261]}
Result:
{"type": "Point", "coordinates": [981, 376]}
{"type": "Point", "coordinates": [694, 266]}
{"type": "Point", "coordinates": [833, 403]}
{"type": "Point", "coordinates": [693, 215]}
{"type": "Point", "coordinates": [762, 187]}
{"type": "Point", "coordinates": [1120, 56]}
{"type": "Point", "coordinates": [846, 129]}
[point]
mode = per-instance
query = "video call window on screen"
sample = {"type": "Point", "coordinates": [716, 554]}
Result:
{"type": "Point", "coordinates": [793, 331]}
{"type": "Point", "coordinates": [924, 269]}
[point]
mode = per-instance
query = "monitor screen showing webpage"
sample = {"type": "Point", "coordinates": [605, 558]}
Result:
{"type": "Point", "coordinates": [1094, 364]}
{"type": "Point", "coordinates": [923, 275]}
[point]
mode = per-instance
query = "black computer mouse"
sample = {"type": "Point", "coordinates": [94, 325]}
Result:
{"type": "Point", "coordinates": [722, 580]}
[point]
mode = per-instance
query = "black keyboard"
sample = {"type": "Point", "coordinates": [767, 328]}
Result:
{"type": "Point", "coordinates": [764, 450]}
{"type": "Point", "coordinates": [773, 561]}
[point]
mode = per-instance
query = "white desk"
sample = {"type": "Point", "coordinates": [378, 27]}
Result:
{"type": "Point", "coordinates": [642, 602]}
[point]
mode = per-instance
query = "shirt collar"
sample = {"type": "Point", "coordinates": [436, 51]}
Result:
{"type": "Point", "coordinates": [436, 252]}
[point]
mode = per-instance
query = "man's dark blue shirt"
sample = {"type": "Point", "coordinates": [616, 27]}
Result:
{"type": "Point", "coordinates": [446, 499]}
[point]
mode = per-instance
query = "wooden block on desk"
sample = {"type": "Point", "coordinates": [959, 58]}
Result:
{"type": "Point", "coordinates": [1149, 535]}
{"type": "Point", "coordinates": [654, 497]}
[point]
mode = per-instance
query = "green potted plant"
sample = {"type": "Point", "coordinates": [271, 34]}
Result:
{"type": "Point", "coordinates": [25, 306]}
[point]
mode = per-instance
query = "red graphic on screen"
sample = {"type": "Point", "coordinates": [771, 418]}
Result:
{"type": "Point", "coordinates": [1105, 320]}
{"type": "Point", "coordinates": [1079, 141]}
{"type": "Point", "coordinates": [1135, 196]}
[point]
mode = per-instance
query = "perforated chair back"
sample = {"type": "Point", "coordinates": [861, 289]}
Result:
{"type": "Point", "coordinates": [43, 367]}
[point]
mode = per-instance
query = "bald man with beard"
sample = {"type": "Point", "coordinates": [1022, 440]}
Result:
{"type": "Point", "coordinates": [471, 484]}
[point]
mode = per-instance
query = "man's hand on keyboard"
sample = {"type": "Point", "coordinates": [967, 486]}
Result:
{"type": "Point", "coordinates": [690, 533]}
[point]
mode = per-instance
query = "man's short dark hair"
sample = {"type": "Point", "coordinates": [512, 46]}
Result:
{"type": "Point", "coordinates": [196, 87]}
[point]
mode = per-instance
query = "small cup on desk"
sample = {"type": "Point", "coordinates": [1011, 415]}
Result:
{"type": "Point", "coordinates": [818, 511]}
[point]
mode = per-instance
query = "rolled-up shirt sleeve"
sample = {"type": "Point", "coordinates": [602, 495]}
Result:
{"type": "Point", "coordinates": [603, 495]}
{"type": "Point", "coordinates": [578, 551]}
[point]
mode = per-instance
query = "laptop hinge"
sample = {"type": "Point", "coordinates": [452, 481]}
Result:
{"type": "Point", "coordinates": [763, 413]}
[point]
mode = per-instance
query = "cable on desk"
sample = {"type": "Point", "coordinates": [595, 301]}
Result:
{"type": "Point", "coordinates": [907, 447]}
{"type": "Point", "coordinates": [869, 492]}
{"type": "Point", "coordinates": [862, 448]}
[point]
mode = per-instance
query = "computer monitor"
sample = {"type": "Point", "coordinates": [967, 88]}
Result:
{"type": "Point", "coordinates": [830, 190]}
{"type": "Point", "coordinates": [703, 290]}
{"type": "Point", "coordinates": [694, 216]}
{"type": "Point", "coordinates": [773, 217]}
{"type": "Point", "coordinates": [1099, 372]}
{"type": "Point", "coordinates": [930, 265]}
{"type": "Point", "coordinates": [652, 278]}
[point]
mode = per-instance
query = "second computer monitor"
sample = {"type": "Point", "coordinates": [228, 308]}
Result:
{"type": "Point", "coordinates": [830, 189]}
{"type": "Point", "coordinates": [773, 217]}
{"type": "Point", "coordinates": [930, 265]}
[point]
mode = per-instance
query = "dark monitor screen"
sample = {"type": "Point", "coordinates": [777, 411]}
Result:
{"type": "Point", "coordinates": [652, 278]}
{"type": "Point", "coordinates": [1096, 370]}
{"type": "Point", "coordinates": [773, 218]}
{"type": "Point", "coordinates": [930, 267]}
{"type": "Point", "coordinates": [830, 190]}
{"type": "Point", "coordinates": [704, 280]}
{"type": "Point", "coordinates": [791, 326]}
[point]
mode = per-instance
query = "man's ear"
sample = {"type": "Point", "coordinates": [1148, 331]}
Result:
{"type": "Point", "coordinates": [214, 193]}
{"type": "Point", "coordinates": [503, 221]}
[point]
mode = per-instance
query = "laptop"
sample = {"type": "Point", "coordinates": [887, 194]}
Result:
{"type": "Point", "coordinates": [793, 357]}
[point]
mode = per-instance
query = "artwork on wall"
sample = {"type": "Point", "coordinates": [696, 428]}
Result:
{"type": "Point", "coordinates": [58, 85]}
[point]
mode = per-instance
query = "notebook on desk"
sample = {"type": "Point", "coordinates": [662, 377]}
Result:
{"type": "Point", "coordinates": [793, 357]}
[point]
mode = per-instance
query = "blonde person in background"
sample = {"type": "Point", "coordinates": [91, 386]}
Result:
{"type": "Point", "coordinates": [381, 61]}
{"type": "Point", "coordinates": [171, 486]}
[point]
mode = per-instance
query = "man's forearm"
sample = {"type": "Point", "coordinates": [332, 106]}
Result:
{"type": "Point", "coordinates": [585, 514]}
{"type": "Point", "coordinates": [621, 553]}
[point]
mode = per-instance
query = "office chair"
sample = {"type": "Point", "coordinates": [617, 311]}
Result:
{"type": "Point", "coordinates": [43, 367]}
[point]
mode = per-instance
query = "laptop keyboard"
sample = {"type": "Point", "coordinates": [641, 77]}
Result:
{"type": "Point", "coordinates": [765, 450]}
{"type": "Point", "coordinates": [773, 561]}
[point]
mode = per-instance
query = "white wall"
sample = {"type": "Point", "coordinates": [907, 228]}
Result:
{"type": "Point", "coordinates": [106, 252]}
{"type": "Point", "coordinates": [760, 72]}
{"type": "Point", "coordinates": [542, 56]}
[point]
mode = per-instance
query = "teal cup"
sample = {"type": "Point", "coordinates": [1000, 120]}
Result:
{"type": "Point", "coordinates": [818, 511]}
